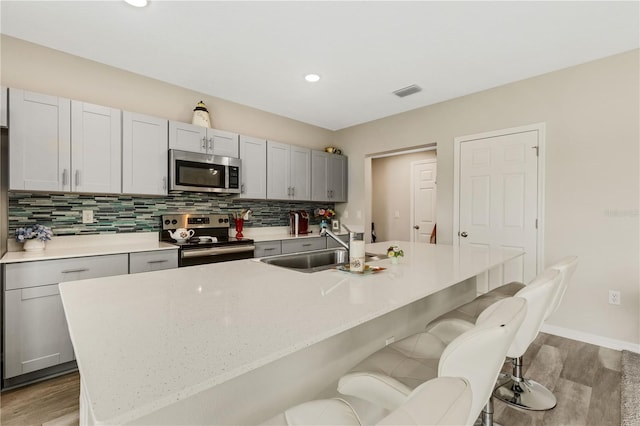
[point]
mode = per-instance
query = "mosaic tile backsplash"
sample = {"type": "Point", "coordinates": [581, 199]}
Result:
{"type": "Point", "coordinates": [122, 213]}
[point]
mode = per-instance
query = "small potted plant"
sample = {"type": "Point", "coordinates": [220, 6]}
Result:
{"type": "Point", "coordinates": [394, 252]}
{"type": "Point", "coordinates": [325, 216]}
{"type": "Point", "coordinates": [33, 237]}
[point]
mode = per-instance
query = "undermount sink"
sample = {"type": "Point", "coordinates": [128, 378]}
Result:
{"type": "Point", "coordinates": [314, 261]}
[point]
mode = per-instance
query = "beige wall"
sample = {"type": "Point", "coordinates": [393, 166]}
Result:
{"type": "Point", "coordinates": [592, 118]}
{"type": "Point", "coordinates": [37, 68]}
{"type": "Point", "coordinates": [391, 178]}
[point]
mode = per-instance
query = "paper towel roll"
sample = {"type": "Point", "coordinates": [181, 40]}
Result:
{"type": "Point", "coordinates": [356, 256]}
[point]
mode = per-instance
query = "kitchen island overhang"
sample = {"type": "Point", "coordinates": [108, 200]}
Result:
{"type": "Point", "coordinates": [181, 345]}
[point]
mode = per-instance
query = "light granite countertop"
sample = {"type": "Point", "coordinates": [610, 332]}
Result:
{"type": "Point", "coordinates": [145, 341]}
{"type": "Point", "coordinates": [87, 245]}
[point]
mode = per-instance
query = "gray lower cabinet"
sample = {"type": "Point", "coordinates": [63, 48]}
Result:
{"type": "Point", "coordinates": [36, 335]}
{"type": "Point", "coordinates": [267, 248]}
{"type": "Point", "coordinates": [148, 261]}
{"type": "Point", "coordinates": [304, 244]}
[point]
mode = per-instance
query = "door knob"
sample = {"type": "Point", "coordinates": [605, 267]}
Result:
{"type": "Point", "coordinates": [416, 226]}
{"type": "Point", "coordinates": [464, 234]}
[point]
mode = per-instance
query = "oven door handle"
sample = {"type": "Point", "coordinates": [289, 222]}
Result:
{"type": "Point", "coordinates": [216, 251]}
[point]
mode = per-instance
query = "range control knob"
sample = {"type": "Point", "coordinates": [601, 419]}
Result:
{"type": "Point", "coordinates": [226, 220]}
{"type": "Point", "coordinates": [220, 220]}
{"type": "Point", "coordinates": [166, 222]}
{"type": "Point", "coordinates": [174, 221]}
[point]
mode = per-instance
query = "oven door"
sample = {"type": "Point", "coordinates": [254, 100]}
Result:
{"type": "Point", "coordinates": [201, 256]}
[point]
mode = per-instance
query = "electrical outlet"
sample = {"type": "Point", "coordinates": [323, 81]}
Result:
{"type": "Point", "coordinates": [87, 216]}
{"type": "Point", "coordinates": [396, 214]}
{"type": "Point", "coordinates": [614, 297]}
{"type": "Point", "coordinates": [345, 215]}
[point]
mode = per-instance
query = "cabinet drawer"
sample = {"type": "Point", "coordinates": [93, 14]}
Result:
{"type": "Point", "coordinates": [305, 244]}
{"type": "Point", "coordinates": [267, 248]}
{"type": "Point", "coordinates": [32, 274]}
{"type": "Point", "coordinates": [152, 261]}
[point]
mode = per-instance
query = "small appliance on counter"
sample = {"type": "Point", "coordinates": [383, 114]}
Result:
{"type": "Point", "coordinates": [205, 240]}
{"type": "Point", "coordinates": [299, 222]}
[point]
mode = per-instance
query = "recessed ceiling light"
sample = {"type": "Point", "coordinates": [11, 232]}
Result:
{"type": "Point", "coordinates": [312, 78]}
{"type": "Point", "coordinates": [137, 3]}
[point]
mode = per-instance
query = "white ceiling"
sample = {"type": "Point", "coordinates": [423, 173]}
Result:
{"type": "Point", "coordinates": [256, 53]}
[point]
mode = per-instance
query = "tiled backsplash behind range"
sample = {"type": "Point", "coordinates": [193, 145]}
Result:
{"type": "Point", "coordinates": [114, 213]}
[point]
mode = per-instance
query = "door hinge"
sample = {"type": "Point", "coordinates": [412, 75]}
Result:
{"type": "Point", "coordinates": [537, 150]}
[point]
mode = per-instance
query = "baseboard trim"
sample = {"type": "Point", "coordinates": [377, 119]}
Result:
{"type": "Point", "coordinates": [593, 339]}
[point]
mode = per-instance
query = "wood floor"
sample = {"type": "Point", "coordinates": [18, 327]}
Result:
{"type": "Point", "coordinates": [585, 379]}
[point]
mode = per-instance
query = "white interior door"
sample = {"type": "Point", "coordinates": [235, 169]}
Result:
{"type": "Point", "coordinates": [423, 199]}
{"type": "Point", "coordinates": [498, 196]}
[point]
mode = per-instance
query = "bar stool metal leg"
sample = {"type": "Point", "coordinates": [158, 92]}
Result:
{"type": "Point", "coordinates": [525, 393]}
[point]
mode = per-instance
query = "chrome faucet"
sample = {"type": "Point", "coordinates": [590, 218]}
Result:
{"type": "Point", "coordinates": [324, 232]}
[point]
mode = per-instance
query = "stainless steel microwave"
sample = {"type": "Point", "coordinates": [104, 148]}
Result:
{"type": "Point", "coordinates": [196, 172]}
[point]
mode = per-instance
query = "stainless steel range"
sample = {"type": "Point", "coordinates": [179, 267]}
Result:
{"type": "Point", "coordinates": [210, 242]}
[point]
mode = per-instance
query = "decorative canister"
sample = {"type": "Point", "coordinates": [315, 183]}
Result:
{"type": "Point", "coordinates": [33, 244]}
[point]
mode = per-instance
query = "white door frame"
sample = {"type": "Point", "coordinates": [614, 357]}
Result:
{"type": "Point", "coordinates": [458, 141]}
{"type": "Point", "coordinates": [368, 189]}
{"type": "Point", "coordinates": [412, 235]}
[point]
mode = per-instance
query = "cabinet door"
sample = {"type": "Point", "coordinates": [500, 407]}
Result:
{"type": "Point", "coordinates": [278, 187]}
{"type": "Point", "coordinates": [96, 143]}
{"type": "Point", "coordinates": [300, 179]}
{"type": "Point", "coordinates": [337, 178]}
{"type": "Point", "coordinates": [3, 106]}
{"type": "Point", "coordinates": [319, 189]}
{"type": "Point", "coordinates": [144, 154]}
{"type": "Point", "coordinates": [187, 137]}
{"type": "Point", "coordinates": [40, 142]}
{"type": "Point", "coordinates": [222, 143]}
{"type": "Point", "coordinates": [152, 261]}
{"type": "Point", "coordinates": [36, 334]}
{"type": "Point", "coordinates": [253, 153]}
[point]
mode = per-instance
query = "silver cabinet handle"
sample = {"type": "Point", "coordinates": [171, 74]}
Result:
{"type": "Point", "coordinates": [157, 261]}
{"type": "Point", "coordinates": [203, 145]}
{"type": "Point", "coordinates": [211, 144]}
{"type": "Point", "coordinates": [293, 191]}
{"type": "Point", "coordinates": [464, 234]}
{"type": "Point", "coordinates": [71, 271]}
{"type": "Point", "coordinates": [64, 177]}
{"type": "Point", "coordinates": [307, 245]}
{"type": "Point", "coordinates": [242, 188]}
{"type": "Point", "coordinates": [269, 249]}
{"type": "Point", "coordinates": [77, 177]}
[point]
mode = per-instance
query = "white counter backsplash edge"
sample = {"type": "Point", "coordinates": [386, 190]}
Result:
{"type": "Point", "coordinates": [83, 241]}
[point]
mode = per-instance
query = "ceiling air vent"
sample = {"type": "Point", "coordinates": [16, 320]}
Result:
{"type": "Point", "coordinates": [406, 91]}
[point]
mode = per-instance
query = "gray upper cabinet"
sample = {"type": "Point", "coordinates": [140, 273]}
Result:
{"type": "Point", "coordinates": [288, 172]}
{"type": "Point", "coordinates": [96, 157]}
{"type": "Point", "coordinates": [40, 142]}
{"type": "Point", "coordinates": [253, 153]}
{"type": "Point", "coordinates": [3, 106]}
{"type": "Point", "coordinates": [61, 145]}
{"type": "Point", "coordinates": [144, 154]}
{"type": "Point", "coordinates": [189, 137]}
{"type": "Point", "coordinates": [328, 177]}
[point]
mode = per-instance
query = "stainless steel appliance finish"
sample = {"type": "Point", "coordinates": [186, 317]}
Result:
{"type": "Point", "coordinates": [315, 261]}
{"type": "Point", "coordinates": [210, 243]}
{"type": "Point", "coordinates": [196, 172]}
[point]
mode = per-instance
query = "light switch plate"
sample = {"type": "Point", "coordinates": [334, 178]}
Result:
{"type": "Point", "coordinates": [87, 216]}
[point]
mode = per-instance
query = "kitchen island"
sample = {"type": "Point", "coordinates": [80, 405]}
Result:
{"type": "Point", "coordinates": [237, 342]}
